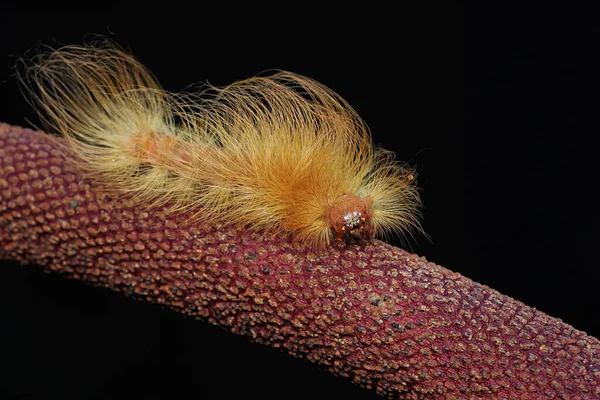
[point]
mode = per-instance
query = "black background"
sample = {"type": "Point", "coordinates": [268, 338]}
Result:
{"type": "Point", "coordinates": [496, 107]}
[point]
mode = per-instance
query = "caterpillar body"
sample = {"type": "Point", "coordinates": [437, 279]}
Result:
{"type": "Point", "coordinates": [277, 154]}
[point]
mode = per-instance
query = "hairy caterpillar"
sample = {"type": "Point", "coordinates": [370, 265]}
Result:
{"type": "Point", "coordinates": [280, 154]}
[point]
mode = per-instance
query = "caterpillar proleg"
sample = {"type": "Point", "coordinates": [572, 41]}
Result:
{"type": "Point", "coordinates": [278, 154]}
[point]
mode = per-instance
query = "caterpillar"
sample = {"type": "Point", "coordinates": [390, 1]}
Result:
{"type": "Point", "coordinates": [281, 154]}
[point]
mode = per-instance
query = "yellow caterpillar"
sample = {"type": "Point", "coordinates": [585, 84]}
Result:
{"type": "Point", "coordinates": [279, 154]}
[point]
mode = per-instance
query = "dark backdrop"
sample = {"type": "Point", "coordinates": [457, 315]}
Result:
{"type": "Point", "coordinates": [496, 107]}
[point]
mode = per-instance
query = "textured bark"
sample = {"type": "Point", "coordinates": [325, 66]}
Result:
{"type": "Point", "coordinates": [387, 319]}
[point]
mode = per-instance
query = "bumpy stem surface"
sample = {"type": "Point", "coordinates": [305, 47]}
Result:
{"type": "Point", "coordinates": [387, 319]}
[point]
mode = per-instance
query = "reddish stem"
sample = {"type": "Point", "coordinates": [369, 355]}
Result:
{"type": "Point", "coordinates": [387, 319]}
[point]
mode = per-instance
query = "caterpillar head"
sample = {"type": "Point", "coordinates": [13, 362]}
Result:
{"type": "Point", "coordinates": [351, 216]}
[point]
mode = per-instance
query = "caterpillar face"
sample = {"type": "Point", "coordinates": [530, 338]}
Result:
{"type": "Point", "coordinates": [351, 215]}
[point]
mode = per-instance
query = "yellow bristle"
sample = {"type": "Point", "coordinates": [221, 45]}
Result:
{"type": "Point", "coordinates": [271, 153]}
